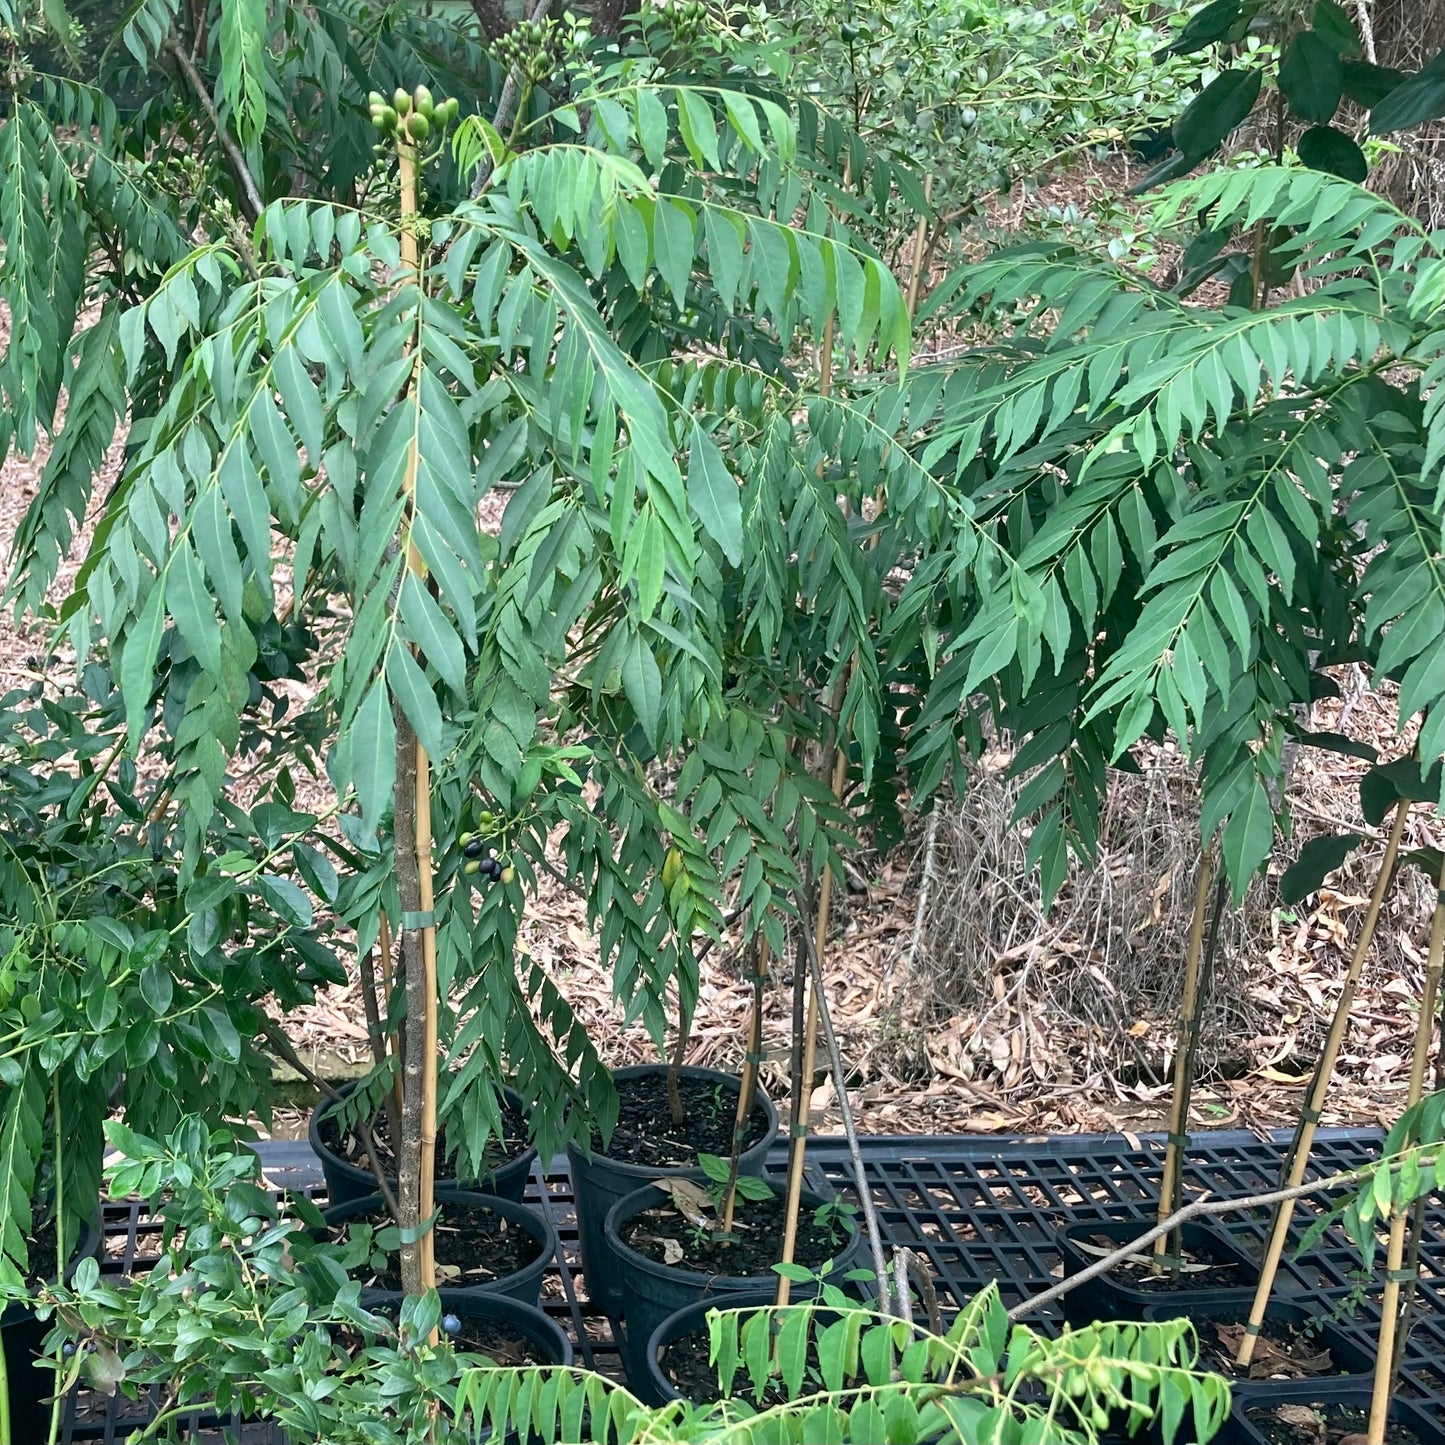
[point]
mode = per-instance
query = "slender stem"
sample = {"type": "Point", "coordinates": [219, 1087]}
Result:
{"type": "Point", "coordinates": [798, 1144]}
{"type": "Point", "coordinates": [751, 1060]}
{"type": "Point", "coordinates": [1385, 1357]}
{"type": "Point", "coordinates": [383, 940]}
{"type": "Point", "coordinates": [850, 1130]}
{"type": "Point", "coordinates": [250, 195]}
{"type": "Point", "coordinates": [674, 1068]}
{"type": "Point", "coordinates": [1298, 1158]}
{"type": "Point", "coordinates": [1184, 1052]}
{"type": "Point", "coordinates": [505, 102]}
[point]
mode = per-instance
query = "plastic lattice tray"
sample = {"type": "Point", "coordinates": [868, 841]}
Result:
{"type": "Point", "coordinates": [979, 1208]}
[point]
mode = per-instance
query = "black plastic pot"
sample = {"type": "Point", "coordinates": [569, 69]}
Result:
{"type": "Point", "coordinates": [345, 1182]}
{"type": "Point", "coordinates": [653, 1291]}
{"type": "Point", "coordinates": [523, 1284]}
{"type": "Point", "coordinates": [525, 1319]}
{"type": "Point", "coordinates": [599, 1182]}
{"type": "Point", "coordinates": [1253, 1397]}
{"type": "Point", "coordinates": [654, 1387]}
{"type": "Point", "coordinates": [1106, 1297]}
{"type": "Point", "coordinates": [23, 1334]}
{"type": "Point", "coordinates": [1234, 1306]}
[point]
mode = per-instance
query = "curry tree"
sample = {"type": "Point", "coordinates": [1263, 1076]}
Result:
{"type": "Point", "coordinates": [602, 314]}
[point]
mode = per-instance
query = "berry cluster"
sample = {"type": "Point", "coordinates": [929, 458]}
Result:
{"type": "Point", "coordinates": [413, 116]}
{"type": "Point", "coordinates": [480, 860]}
{"type": "Point", "coordinates": [526, 48]}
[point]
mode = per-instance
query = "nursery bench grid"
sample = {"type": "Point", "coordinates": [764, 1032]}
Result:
{"type": "Point", "coordinates": [977, 1207]}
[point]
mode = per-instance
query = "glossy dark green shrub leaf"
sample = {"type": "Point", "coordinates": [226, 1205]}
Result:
{"type": "Point", "coordinates": [1418, 98]}
{"type": "Point", "coordinates": [1323, 148]}
{"type": "Point", "coordinates": [1222, 106]}
{"type": "Point", "coordinates": [1309, 77]}
{"type": "Point", "coordinates": [1332, 23]}
{"type": "Point", "coordinates": [1368, 84]}
{"type": "Point", "coordinates": [1317, 858]}
{"type": "Point", "coordinates": [1213, 22]}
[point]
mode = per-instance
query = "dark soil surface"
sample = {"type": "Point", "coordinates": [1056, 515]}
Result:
{"type": "Point", "coordinates": [646, 1134]}
{"type": "Point", "coordinates": [474, 1246]}
{"type": "Point", "coordinates": [501, 1345]}
{"type": "Point", "coordinates": [755, 1247]}
{"type": "Point", "coordinates": [1302, 1425]}
{"type": "Point", "coordinates": [685, 1362]}
{"type": "Point", "coordinates": [1138, 1272]}
{"type": "Point", "coordinates": [346, 1143]}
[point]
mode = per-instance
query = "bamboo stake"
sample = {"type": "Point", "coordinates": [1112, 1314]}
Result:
{"type": "Point", "coordinates": [920, 249]}
{"type": "Point", "coordinates": [751, 1060]}
{"type": "Point", "coordinates": [1184, 1052]}
{"type": "Point", "coordinates": [424, 1038]}
{"type": "Point", "coordinates": [1394, 1256]}
{"type": "Point", "coordinates": [1299, 1156]}
{"type": "Point", "coordinates": [797, 1145]}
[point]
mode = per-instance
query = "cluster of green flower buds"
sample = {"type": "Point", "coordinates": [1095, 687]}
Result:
{"type": "Point", "coordinates": [412, 117]}
{"type": "Point", "coordinates": [686, 21]}
{"type": "Point", "coordinates": [526, 47]}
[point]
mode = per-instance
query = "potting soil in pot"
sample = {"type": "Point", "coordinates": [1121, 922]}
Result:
{"type": "Point", "coordinates": [1324, 1424]}
{"type": "Point", "coordinates": [754, 1248]}
{"type": "Point", "coordinates": [1282, 1352]}
{"type": "Point", "coordinates": [1197, 1271]}
{"type": "Point", "coordinates": [501, 1345]}
{"type": "Point", "coordinates": [473, 1246]}
{"type": "Point", "coordinates": [346, 1143]}
{"type": "Point", "coordinates": [646, 1135]}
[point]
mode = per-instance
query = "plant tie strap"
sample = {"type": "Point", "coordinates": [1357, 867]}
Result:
{"type": "Point", "coordinates": [754, 1056]}
{"type": "Point", "coordinates": [1399, 1276]}
{"type": "Point", "coordinates": [1253, 1327]}
{"type": "Point", "coordinates": [415, 922]}
{"type": "Point", "coordinates": [797, 1131]}
{"type": "Point", "coordinates": [1311, 1116]}
{"type": "Point", "coordinates": [1179, 1141]}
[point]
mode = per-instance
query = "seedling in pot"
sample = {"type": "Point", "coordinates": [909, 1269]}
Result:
{"type": "Point", "coordinates": [700, 1203]}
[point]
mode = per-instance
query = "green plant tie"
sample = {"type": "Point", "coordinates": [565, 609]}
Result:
{"type": "Point", "coordinates": [1399, 1276]}
{"type": "Point", "coordinates": [1180, 1141]}
{"type": "Point", "coordinates": [797, 1131]}
{"type": "Point", "coordinates": [414, 922]}
{"type": "Point", "coordinates": [1311, 1116]}
{"type": "Point", "coordinates": [754, 1056]}
{"type": "Point", "coordinates": [1254, 1327]}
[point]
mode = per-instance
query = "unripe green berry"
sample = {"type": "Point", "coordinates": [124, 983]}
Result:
{"type": "Point", "coordinates": [422, 101]}
{"type": "Point", "coordinates": [417, 127]}
{"type": "Point", "coordinates": [401, 100]}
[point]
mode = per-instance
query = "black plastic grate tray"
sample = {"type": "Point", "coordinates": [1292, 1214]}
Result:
{"type": "Point", "coordinates": [978, 1208]}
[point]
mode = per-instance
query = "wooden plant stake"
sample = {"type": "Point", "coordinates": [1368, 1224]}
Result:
{"type": "Point", "coordinates": [752, 1059]}
{"type": "Point", "coordinates": [417, 1152]}
{"type": "Point", "coordinates": [1184, 1054]}
{"type": "Point", "coordinates": [1299, 1156]}
{"type": "Point", "coordinates": [1395, 1252]}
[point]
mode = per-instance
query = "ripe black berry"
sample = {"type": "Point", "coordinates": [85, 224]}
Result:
{"type": "Point", "coordinates": [475, 849]}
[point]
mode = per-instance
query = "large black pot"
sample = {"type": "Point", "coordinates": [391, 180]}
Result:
{"type": "Point", "coordinates": [652, 1291]}
{"type": "Point", "coordinates": [23, 1334]}
{"type": "Point", "coordinates": [1251, 1398]}
{"type": "Point", "coordinates": [1106, 1297]}
{"type": "Point", "coordinates": [524, 1284]}
{"type": "Point", "coordinates": [599, 1182]}
{"type": "Point", "coordinates": [345, 1182]}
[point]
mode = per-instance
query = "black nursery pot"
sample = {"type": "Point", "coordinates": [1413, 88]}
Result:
{"type": "Point", "coordinates": [1108, 1296]}
{"type": "Point", "coordinates": [1253, 1401]}
{"type": "Point", "coordinates": [524, 1284]}
{"type": "Point", "coordinates": [1234, 1306]}
{"type": "Point", "coordinates": [653, 1291]}
{"type": "Point", "coordinates": [598, 1182]}
{"type": "Point", "coordinates": [31, 1389]}
{"type": "Point", "coordinates": [514, 1316]}
{"type": "Point", "coordinates": [345, 1182]}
